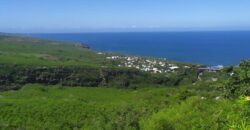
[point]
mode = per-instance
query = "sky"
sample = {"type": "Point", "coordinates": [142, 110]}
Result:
{"type": "Point", "coordinates": [38, 16]}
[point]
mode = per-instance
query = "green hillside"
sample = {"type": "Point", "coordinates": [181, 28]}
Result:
{"type": "Point", "coordinates": [51, 85]}
{"type": "Point", "coordinates": [28, 51]}
{"type": "Point", "coordinates": [26, 60]}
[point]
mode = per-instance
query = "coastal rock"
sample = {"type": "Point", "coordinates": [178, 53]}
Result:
{"type": "Point", "coordinates": [82, 45]}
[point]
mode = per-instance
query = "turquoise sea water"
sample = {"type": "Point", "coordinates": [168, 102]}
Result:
{"type": "Point", "coordinates": [209, 48]}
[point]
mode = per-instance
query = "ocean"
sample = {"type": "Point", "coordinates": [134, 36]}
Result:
{"type": "Point", "coordinates": [208, 48]}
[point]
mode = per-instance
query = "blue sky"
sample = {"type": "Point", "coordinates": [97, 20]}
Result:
{"type": "Point", "coordinates": [123, 15]}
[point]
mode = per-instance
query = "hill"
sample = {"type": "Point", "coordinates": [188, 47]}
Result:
{"type": "Point", "coordinates": [55, 85]}
{"type": "Point", "coordinates": [26, 60]}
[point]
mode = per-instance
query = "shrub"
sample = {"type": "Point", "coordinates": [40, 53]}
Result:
{"type": "Point", "coordinates": [196, 114]}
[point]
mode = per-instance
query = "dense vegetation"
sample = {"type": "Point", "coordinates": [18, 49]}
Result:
{"type": "Point", "coordinates": [55, 107]}
{"type": "Point", "coordinates": [24, 60]}
{"type": "Point", "coordinates": [53, 85]}
{"type": "Point", "coordinates": [239, 83]}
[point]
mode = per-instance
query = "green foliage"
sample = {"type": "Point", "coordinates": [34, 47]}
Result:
{"type": "Point", "coordinates": [228, 69]}
{"type": "Point", "coordinates": [51, 107]}
{"type": "Point", "coordinates": [27, 51]}
{"type": "Point", "coordinates": [18, 75]}
{"type": "Point", "coordinates": [242, 111]}
{"type": "Point", "coordinates": [79, 89]}
{"type": "Point", "coordinates": [198, 114]}
{"type": "Point", "coordinates": [55, 107]}
{"type": "Point", "coordinates": [27, 60]}
{"type": "Point", "coordinates": [239, 83]}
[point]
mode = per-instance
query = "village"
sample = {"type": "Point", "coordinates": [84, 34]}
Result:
{"type": "Point", "coordinates": [154, 65]}
{"type": "Point", "coordinates": [146, 64]}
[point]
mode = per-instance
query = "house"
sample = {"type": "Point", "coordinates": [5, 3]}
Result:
{"type": "Point", "coordinates": [174, 67]}
{"type": "Point", "coordinates": [211, 69]}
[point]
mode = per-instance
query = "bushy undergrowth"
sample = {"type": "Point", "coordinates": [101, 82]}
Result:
{"type": "Point", "coordinates": [239, 83]}
{"type": "Point", "coordinates": [56, 107]}
{"type": "Point", "coordinates": [110, 97]}
{"type": "Point", "coordinates": [200, 114]}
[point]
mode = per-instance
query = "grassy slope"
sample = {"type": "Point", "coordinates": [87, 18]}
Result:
{"type": "Point", "coordinates": [16, 50]}
{"type": "Point", "coordinates": [21, 52]}
{"type": "Point", "coordinates": [40, 107]}
{"type": "Point", "coordinates": [29, 51]}
{"type": "Point", "coordinates": [53, 107]}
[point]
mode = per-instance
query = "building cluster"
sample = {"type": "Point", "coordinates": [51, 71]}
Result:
{"type": "Point", "coordinates": [145, 64]}
{"type": "Point", "coordinates": [212, 68]}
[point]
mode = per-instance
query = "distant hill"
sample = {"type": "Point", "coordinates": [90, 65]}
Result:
{"type": "Point", "coordinates": [55, 85]}
{"type": "Point", "coordinates": [54, 62]}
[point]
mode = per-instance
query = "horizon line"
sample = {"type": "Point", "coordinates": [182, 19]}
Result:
{"type": "Point", "coordinates": [158, 31]}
